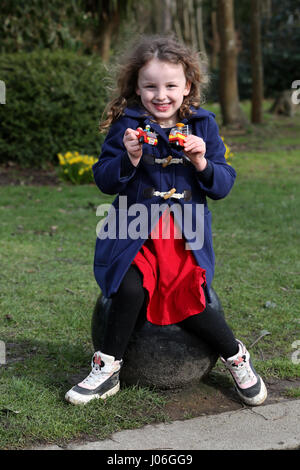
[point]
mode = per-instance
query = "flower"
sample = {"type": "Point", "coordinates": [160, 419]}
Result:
{"type": "Point", "coordinates": [76, 167]}
{"type": "Point", "coordinates": [228, 154]}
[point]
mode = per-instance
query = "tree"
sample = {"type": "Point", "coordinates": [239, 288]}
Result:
{"type": "Point", "coordinates": [107, 15]}
{"type": "Point", "coordinates": [256, 64]}
{"type": "Point", "coordinates": [199, 22]}
{"type": "Point", "coordinates": [167, 16]}
{"type": "Point", "coordinates": [159, 16]}
{"type": "Point", "coordinates": [229, 96]}
{"type": "Point", "coordinates": [187, 22]}
{"type": "Point", "coordinates": [215, 41]}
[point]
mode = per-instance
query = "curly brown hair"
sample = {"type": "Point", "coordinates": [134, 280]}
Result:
{"type": "Point", "coordinates": [166, 49]}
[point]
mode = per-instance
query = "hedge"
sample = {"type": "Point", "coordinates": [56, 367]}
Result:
{"type": "Point", "coordinates": [53, 104]}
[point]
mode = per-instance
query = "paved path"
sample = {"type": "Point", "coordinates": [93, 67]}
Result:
{"type": "Point", "coordinates": [275, 426]}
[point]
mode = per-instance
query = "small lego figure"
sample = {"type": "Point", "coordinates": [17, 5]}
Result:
{"type": "Point", "coordinates": [178, 134]}
{"type": "Point", "coordinates": [146, 136]}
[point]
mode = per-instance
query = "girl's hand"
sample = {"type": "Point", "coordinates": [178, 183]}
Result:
{"type": "Point", "coordinates": [133, 146]}
{"type": "Point", "coordinates": [194, 147]}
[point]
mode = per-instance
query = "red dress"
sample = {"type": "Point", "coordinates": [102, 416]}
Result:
{"type": "Point", "coordinates": [171, 275]}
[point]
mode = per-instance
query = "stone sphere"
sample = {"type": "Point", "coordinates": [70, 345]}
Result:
{"type": "Point", "coordinates": [158, 356]}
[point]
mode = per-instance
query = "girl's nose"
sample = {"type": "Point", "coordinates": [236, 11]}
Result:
{"type": "Point", "coordinates": [160, 94]}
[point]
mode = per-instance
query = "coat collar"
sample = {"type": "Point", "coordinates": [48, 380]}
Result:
{"type": "Point", "coordinates": [140, 113]}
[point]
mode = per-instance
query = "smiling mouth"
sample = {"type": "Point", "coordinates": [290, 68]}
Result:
{"type": "Point", "coordinates": [161, 106]}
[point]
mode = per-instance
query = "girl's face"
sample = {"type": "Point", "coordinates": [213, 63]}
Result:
{"type": "Point", "coordinates": [162, 87]}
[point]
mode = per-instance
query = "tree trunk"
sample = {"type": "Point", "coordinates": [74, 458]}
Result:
{"type": "Point", "coordinates": [105, 42]}
{"type": "Point", "coordinates": [256, 64]}
{"type": "Point", "coordinates": [108, 25]}
{"type": "Point", "coordinates": [266, 8]}
{"type": "Point", "coordinates": [156, 17]}
{"type": "Point", "coordinates": [215, 43]}
{"type": "Point", "coordinates": [193, 26]}
{"type": "Point", "coordinates": [167, 17]}
{"type": "Point", "coordinates": [186, 24]}
{"type": "Point", "coordinates": [176, 20]}
{"type": "Point", "coordinates": [229, 97]}
{"type": "Point", "coordinates": [199, 20]}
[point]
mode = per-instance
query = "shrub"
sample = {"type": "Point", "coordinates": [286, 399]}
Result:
{"type": "Point", "coordinates": [53, 103]}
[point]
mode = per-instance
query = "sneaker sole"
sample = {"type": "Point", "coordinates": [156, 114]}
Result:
{"type": "Point", "coordinates": [258, 399]}
{"type": "Point", "coordinates": [79, 399]}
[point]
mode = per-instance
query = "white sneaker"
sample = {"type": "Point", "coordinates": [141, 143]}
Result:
{"type": "Point", "coordinates": [102, 381]}
{"type": "Point", "coordinates": [248, 383]}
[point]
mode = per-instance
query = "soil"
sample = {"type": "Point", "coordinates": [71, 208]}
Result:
{"type": "Point", "coordinates": [216, 394]}
{"type": "Point", "coordinates": [12, 174]}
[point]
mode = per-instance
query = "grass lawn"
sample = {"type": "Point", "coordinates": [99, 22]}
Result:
{"type": "Point", "coordinates": [48, 291]}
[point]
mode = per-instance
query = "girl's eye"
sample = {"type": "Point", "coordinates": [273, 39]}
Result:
{"type": "Point", "coordinates": [172, 86]}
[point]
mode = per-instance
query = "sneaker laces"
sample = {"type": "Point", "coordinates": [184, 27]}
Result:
{"type": "Point", "coordinates": [243, 372]}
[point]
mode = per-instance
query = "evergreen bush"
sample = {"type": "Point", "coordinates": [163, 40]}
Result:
{"type": "Point", "coordinates": [54, 101]}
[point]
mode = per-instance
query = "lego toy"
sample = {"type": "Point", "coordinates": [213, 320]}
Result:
{"type": "Point", "coordinates": [178, 134]}
{"type": "Point", "coordinates": [146, 136]}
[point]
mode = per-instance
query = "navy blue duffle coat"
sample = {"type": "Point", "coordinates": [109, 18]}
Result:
{"type": "Point", "coordinates": [114, 174]}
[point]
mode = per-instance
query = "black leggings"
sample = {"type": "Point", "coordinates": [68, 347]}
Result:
{"type": "Point", "coordinates": [129, 304]}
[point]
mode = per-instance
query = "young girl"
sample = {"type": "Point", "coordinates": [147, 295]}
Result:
{"type": "Point", "coordinates": [168, 278]}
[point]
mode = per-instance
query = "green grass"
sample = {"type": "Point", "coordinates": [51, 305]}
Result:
{"type": "Point", "coordinates": [256, 233]}
{"type": "Point", "coordinates": [48, 291]}
{"type": "Point", "coordinates": [293, 393]}
{"type": "Point", "coordinates": [256, 240]}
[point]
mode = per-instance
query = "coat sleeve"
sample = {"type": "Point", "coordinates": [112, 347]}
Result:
{"type": "Point", "coordinates": [114, 169]}
{"type": "Point", "coordinates": [221, 175]}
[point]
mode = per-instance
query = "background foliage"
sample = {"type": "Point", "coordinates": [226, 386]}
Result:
{"type": "Point", "coordinates": [280, 47]}
{"type": "Point", "coordinates": [28, 25]}
{"type": "Point", "coordinates": [54, 101]}
{"type": "Point", "coordinates": [56, 57]}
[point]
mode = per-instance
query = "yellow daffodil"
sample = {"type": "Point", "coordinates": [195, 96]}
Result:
{"type": "Point", "coordinates": [77, 167]}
